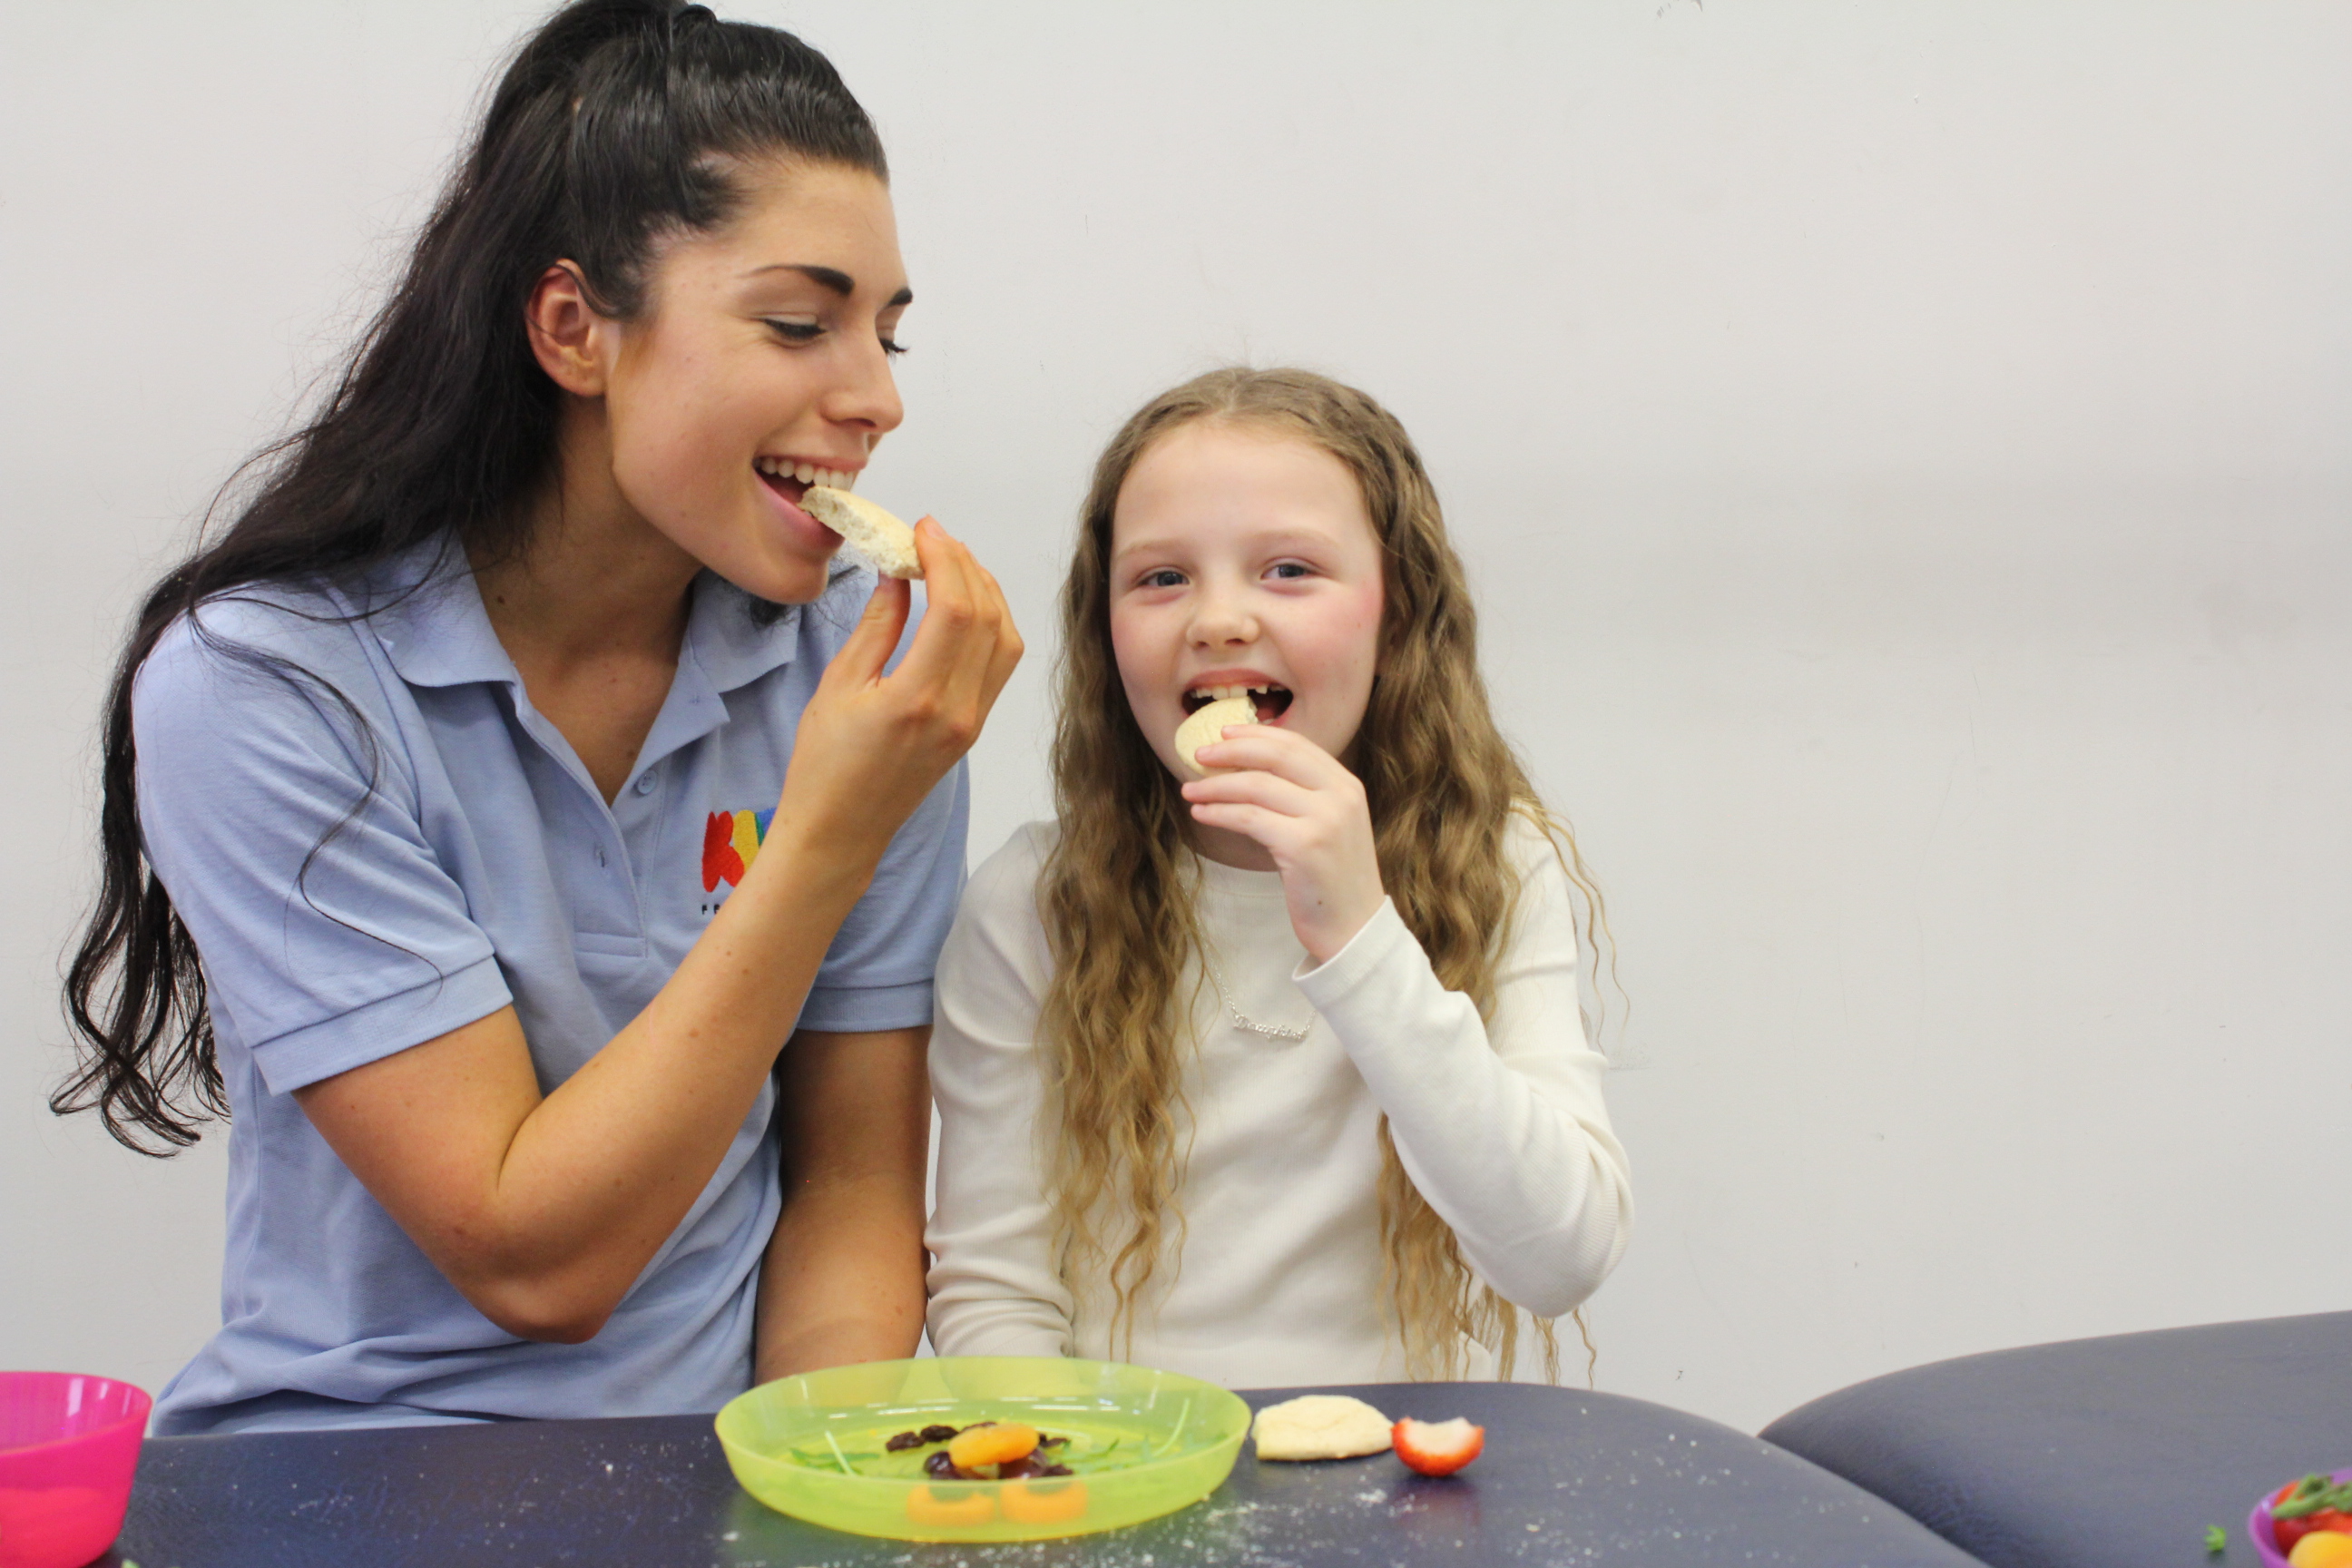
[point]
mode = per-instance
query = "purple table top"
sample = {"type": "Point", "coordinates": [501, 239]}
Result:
{"type": "Point", "coordinates": [1568, 1477]}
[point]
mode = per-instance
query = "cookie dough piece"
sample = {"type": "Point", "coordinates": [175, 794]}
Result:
{"type": "Point", "coordinates": [1206, 727]}
{"type": "Point", "coordinates": [866, 529]}
{"type": "Point", "coordinates": [1321, 1426]}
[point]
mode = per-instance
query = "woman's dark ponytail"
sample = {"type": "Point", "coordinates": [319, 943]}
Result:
{"type": "Point", "coordinates": [617, 124]}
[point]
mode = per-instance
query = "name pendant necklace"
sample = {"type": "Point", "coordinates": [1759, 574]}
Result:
{"type": "Point", "coordinates": [1241, 1020]}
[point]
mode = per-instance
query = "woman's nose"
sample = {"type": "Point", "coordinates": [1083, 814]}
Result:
{"type": "Point", "coordinates": [866, 396]}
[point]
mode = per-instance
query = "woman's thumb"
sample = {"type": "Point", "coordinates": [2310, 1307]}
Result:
{"type": "Point", "coordinates": [870, 647]}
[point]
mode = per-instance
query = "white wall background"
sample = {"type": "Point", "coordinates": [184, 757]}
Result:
{"type": "Point", "coordinates": [1905, 451]}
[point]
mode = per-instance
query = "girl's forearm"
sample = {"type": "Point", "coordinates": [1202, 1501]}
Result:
{"type": "Point", "coordinates": [1505, 1134]}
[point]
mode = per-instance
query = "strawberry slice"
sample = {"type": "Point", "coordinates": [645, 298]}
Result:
{"type": "Point", "coordinates": [1437, 1448]}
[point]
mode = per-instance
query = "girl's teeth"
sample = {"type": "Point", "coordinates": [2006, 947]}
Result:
{"type": "Point", "coordinates": [805, 473]}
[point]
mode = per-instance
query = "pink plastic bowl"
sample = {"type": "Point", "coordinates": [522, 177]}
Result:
{"type": "Point", "coordinates": [2258, 1525]}
{"type": "Point", "coordinates": [68, 1443]}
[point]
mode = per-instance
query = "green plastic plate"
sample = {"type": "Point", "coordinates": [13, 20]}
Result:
{"type": "Point", "coordinates": [1143, 1442]}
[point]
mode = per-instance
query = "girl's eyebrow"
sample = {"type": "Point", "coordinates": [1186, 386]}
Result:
{"type": "Point", "coordinates": [1306, 540]}
{"type": "Point", "coordinates": [831, 278]}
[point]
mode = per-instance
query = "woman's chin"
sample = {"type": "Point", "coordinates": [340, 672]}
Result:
{"type": "Point", "coordinates": [778, 578]}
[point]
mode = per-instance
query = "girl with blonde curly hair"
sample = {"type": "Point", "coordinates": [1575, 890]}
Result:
{"type": "Point", "coordinates": [1270, 1067]}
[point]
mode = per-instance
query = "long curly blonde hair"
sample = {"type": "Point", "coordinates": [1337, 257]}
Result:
{"type": "Point", "coordinates": [1117, 892]}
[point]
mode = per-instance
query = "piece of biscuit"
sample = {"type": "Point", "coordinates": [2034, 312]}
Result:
{"type": "Point", "coordinates": [866, 529]}
{"type": "Point", "coordinates": [1321, 1426]}
{"type": "Point", "coordinates": [1207, 727]}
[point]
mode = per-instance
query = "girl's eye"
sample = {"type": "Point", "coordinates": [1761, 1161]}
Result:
{"type": "Point", "coordinates": [892, 346]}
{"type": "Point", "coordinates": [1166, 577]}
{"type": "Point", "coordinates": [1290, 570]}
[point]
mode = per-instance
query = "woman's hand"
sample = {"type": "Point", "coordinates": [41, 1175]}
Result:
{"type": "Point", "coordinates": [871, 745]}
{"type": "Point", "coordinates": [1308, 812]}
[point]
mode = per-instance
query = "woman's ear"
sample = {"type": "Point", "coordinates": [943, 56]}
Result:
{"type": "Point", "coordinates": [569, 336]}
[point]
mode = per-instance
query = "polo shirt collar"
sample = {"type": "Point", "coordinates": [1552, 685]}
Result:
{"type": "Point", "coordinates": [436, 632]}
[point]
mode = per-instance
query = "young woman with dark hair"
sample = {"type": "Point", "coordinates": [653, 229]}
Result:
{"type": "Point", "coordinates": [519, 822]}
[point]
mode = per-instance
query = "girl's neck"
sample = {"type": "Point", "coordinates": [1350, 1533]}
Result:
{"type": "Point", "coordinates": [1230, 848]}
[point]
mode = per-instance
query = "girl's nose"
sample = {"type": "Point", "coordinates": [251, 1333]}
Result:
{"type": "Point", "coordinates": [1221, 619]}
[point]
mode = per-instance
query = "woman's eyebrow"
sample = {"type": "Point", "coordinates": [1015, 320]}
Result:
{"type": "Point", "coordinates": [831, 278]}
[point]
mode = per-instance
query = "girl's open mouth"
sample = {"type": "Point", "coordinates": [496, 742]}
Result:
{"type": "Point", "coordinates": [1271, 701]}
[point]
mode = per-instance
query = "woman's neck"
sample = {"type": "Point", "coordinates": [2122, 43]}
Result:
{"type": "Point", "coordinates": [593, 612]}
{"type": "Point", "coordinates": [595, 581]}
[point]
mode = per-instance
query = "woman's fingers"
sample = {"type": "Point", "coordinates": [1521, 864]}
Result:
{"type": "Point", "coordinates": [964, 619]}
{"type": "Point", "coordinates": [860, 660]}
{"type": "Point", "coordinates": [1004, 648]}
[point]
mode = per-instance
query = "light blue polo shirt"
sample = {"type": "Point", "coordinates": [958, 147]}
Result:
{"type": "Point", "coordinates": [337, 927]}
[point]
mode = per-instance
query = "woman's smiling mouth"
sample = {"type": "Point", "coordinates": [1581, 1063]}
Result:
{"type": "Point", "coordinates": [790, 477]}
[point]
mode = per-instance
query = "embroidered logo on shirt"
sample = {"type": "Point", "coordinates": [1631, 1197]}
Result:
{"type": "Point", "coordinates": [730, 842]}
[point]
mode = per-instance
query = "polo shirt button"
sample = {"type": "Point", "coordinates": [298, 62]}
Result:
{"type": "Point", "coordinates": [600, 853]}
{"type": "Point", "coordinates": [646, 781]}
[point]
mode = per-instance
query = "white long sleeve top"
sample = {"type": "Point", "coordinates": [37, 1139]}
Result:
{"type": "Point", "coordinates": [1278, 1281]}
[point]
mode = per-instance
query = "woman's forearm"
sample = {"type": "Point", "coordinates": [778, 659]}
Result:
{"type": "Point", "coordinates": [842, 1279]}
{"type": "Point", "coordinates": [545, 1210]}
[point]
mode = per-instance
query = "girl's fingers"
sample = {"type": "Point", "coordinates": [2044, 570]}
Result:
{"type": "Point", "coordinates": [1283, 836]}
{"type": "Point", "coordinates": [1264, 748]}
{"type": "Point", "coordinates": [1256, 788]}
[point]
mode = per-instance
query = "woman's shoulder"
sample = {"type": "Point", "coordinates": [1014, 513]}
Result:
{"type": "Point", "coordinates": [270, 634]}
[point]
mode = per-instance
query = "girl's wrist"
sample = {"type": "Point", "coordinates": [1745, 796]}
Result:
{"type": "Point", "coordinates": [1333, 937]}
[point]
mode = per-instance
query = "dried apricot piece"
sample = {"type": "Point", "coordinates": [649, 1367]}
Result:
{"type": "Point", "coordinates": [949, 1506]}
{"type": "Point", "coordinates": [1044, 1502]}
{"type": "Point", "coordinates": [998, 1443]}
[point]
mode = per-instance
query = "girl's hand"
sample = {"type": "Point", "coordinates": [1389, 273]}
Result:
{"type": "Point", "coordinates": [1307, 811]}
{"type": "Point", "coordinates": [870, 746]}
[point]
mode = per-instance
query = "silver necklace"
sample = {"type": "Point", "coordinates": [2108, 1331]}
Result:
{"type": "Point", "coordinates": [1242, 1020]}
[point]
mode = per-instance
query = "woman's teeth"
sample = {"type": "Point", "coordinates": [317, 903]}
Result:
{"type": "Point", "coordinates": [807, 473]}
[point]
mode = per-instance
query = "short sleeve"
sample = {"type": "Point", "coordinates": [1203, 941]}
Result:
{"type": "Point", "coordinates": [877, 972]}
{"type": "Point", "coordinates": [284, 825]}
